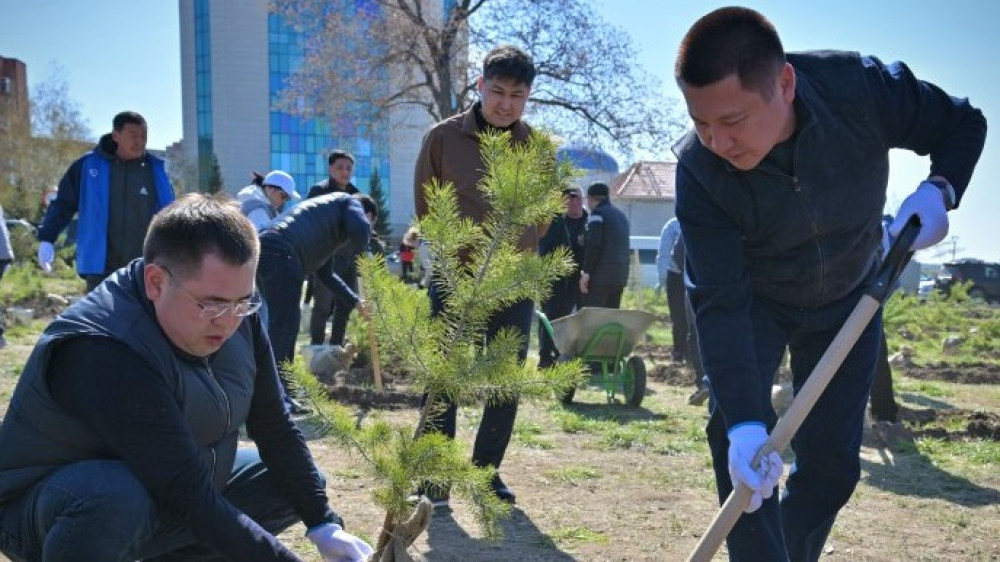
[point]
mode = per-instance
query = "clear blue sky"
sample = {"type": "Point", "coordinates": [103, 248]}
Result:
{"type": "Point", "coordinates": [124, 54]}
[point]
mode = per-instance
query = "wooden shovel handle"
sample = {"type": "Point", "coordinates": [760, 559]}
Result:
{"type": "Point", "coordinates": [373, 348]}
{"type": "Point", "coordinates": [885, 279]}
{"type": "Point", "coordinates": [372, 344]}
{"type": "Point", "coordinates": [786, 427]}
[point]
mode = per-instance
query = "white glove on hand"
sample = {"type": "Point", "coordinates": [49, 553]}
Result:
{"type": "Point", "coordinates": [46, 254]}
{"type": "Point", "coordinates": [926, 202]}
{"type": "Point", "coordinates": [337, 545]}
{"type": "Point", "coordinates": [744, 442]}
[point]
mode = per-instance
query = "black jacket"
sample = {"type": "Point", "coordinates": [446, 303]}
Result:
{"type": "Point", "coordinates": [105, 383]}
{"type": "Point", "coordinates": [316, 229]}
{"type": "Point", "coordinates": [801, 229]}
{"type": "Point", "coordinates": [606, 248]}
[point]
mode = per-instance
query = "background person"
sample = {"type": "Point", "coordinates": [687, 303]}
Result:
{"type": "Point", "coordinates": [671, 274]}
{"type": "Point", "coordinates": [301, 242]}
{"type": "Point", "coordinates": [262, 201]}
{"type": "Point", "coordinates": [780, 190]}
{"type": "Point", "coordinates": [605, 251]}
{"type": "Point", "coordinates": [407, 254]}
{"type": "Point", "coordinates": [6, 258]}
{"type": "Point", "coordinates": [566, 231]}
{"type": "Point", "coordinates": [115, 189]}
{"type": "Point", "coordinates": [121, 438]}
{"type": "Point", "coordinates": [450, 153]}
{"type": "Point", "coordinates": [326, 308]}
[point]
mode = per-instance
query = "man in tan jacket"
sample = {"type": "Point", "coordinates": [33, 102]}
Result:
{"type": "Point", "coordinates": [450, 153]}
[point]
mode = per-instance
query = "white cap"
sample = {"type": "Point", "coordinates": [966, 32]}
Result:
{"type": "Point", "coordinates": [282, 180]}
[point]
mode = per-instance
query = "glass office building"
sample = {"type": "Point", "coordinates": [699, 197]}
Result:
{"type": "Point", "coordinates": [236, 58]}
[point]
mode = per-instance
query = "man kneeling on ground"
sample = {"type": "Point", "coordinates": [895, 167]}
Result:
{"type": "Point", "coordinates": [121, 438]}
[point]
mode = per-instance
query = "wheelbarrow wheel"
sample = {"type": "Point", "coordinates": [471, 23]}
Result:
{"type": "Point", "coordinates": [635, 381]}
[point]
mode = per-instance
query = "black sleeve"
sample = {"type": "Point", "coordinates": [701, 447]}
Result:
{"type": "Point", "coordinates": [922, 117]}
{"type": "Point", "coordinates": [340, 289]}
{"type": "Point", "coordinates": [61, 210]}
{"type": "Point", "coordinates": [280, 442]}
{"type": "Point", "coordinates": [119, 397]}
{"type": "Point", "coordinates": [550, 240]}
{"type": "Point", "coordinates": [594, 242]}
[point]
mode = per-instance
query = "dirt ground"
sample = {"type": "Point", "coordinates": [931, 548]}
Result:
{"type": "Point", "coordinates": [644, 504]}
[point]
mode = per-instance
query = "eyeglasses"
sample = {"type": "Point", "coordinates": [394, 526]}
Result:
{"type": "Point", "coordinates": [213, 310]}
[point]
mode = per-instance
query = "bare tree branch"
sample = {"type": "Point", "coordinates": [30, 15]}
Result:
{"type": "Point", "coordinates": [359, 66]}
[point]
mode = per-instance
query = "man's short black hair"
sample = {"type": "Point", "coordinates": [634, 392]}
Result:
{"type": "Point", "coordinates": [126, 118]}
{"type": "Point", "coordinates": [507, 61]}
{"type": "Point", "coordinates": [337, 155]}
{"type": "Point", "coordinates": [727, 41]}
{"type": "Point", "coordinates": [187, 230]}
{"type": "Point", "coordinates": [367, 203]}
{"type": "Point", "coordinates": [598, 189]}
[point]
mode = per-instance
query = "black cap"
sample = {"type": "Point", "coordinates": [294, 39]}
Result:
{"type": "Point", "coordinates": [598, 189]}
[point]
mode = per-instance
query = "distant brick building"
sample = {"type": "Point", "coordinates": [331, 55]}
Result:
{"type": "Point", "coordinates": [14, 120]}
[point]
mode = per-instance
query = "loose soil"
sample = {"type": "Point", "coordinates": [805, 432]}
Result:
{"type": "Point", "coordinates": [577, 500]}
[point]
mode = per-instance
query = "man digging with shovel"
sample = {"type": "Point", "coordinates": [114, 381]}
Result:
{"type": "Point", "coordinates": [780, 191]}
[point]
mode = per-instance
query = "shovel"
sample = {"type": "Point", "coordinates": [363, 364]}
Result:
{"type": "Point", "coordinates": [806, 398]}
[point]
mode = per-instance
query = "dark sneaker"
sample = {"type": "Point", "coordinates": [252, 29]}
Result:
{"type": "Point", "coordinates": [698, 397]}
{"type": "Point", "coordinates": [438, 496]}
{"type": "Point", "coordinates": [501, 490]}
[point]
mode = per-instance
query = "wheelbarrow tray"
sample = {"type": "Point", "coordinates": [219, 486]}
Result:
{"type": "Point", "coordinates": [573, 333]}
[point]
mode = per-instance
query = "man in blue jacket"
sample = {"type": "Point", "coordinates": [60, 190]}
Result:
{"type": "Point", "coordinates": [115, 190]}
{"type": "Point", "coordinates": [780, 192]}
{"type": "Point", "coordinates": [122, 437]}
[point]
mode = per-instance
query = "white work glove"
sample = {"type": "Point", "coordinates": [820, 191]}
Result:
{"type": "Point", "coordinates": [926, 202]}
{"type": "Point", "coordinates": [46, 254]}
{"type": "Point", "coordinates": [744, 442]}
{"type": "Point", "coordinates": [337, 545]}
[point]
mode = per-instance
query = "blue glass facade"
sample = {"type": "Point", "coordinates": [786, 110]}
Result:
{"type": "Point", "coordinates": [300, 146]}
{"type": "Point", "coordinates": [203, 90]}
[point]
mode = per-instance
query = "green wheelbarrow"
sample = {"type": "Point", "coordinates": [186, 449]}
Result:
{"type": "Point", "coordinates": [603, 338]}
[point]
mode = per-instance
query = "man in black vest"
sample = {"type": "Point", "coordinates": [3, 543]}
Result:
{"type": "Point", "coordinates": [121, 439]}
{"type": "Point", "coordinates": [780, 193]}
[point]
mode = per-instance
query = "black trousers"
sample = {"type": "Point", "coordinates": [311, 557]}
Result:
{"type": "Point", "coordinates": [692, 348]}
{"type": "Point", "coordinates": [326, 306]}
{"type": "Point", "coordinates": [677, 308]}
{"type": "Point", "coordinates": [497, 423]}
{"type": "Point", "coordinates": [883, 399]}
{"type": "Point", "coordinates": [603, 296]}
{"type": "Point", "coordinates": [279, 279]}
{"type": "Point", "coordinates": [565, 298]}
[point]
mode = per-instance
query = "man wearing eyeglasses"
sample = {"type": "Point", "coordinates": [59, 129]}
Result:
{"type": "Point", "coordinates": [121, 438]}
